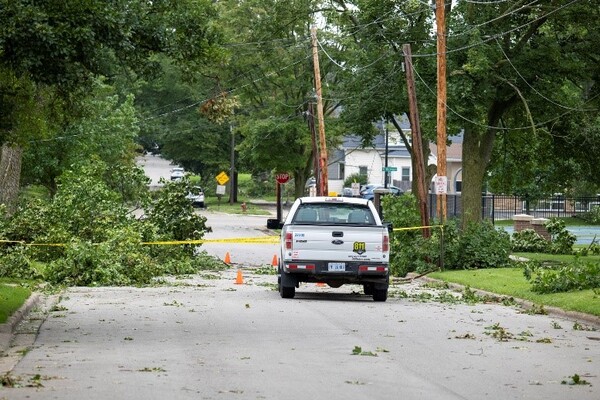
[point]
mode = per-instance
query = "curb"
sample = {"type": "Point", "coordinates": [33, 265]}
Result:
{"type": "Point", "coordinates": [8, 328]}
{"type": "Point", "coordinates": [528, 305]}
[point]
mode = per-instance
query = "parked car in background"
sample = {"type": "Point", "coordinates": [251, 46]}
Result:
{"type": "Point", "coordinates": [347, 192]}
{"type": "Point", "coordinates": [177, 173]}
{"type": "Point", "coordinates": [368, 191]}
{"type": "Point", "coordinates": [196, 196]}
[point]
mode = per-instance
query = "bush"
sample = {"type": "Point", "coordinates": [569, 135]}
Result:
{"type": "Point", "coordinates": [562, 239]}
{"type": "Point", "coordinates": [481, 245]}
{"type": "Point", "coordinates": [529, 241]}
{"type": "Point", "coordinates": [260, 185]}
{"type": "Point", "coordinates": [407, 248]}
{"type": "Point", "coordinates": [562, 277]}
{"type": "Point", "coordinates": [17, 262]}
{"type": "Point", "coordinates": [593, 216]}
{"type": "Point", "coordinates": [362, 179]}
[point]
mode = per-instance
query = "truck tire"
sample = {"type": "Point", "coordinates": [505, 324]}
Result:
{"type": "Point", "coordinates": [380, 294]}
{"type": "Point", "coordinates": [287, 286]}
{"type": "Point", "coordinates": [287, 292]}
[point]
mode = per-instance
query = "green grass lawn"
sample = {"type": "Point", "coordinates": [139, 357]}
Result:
{"type": "Point", "coordinates": [558, 257]}
{"type": "Point", "coordinates": [511, 282]}
{"type": "Point", "coordinates": [11, 299]}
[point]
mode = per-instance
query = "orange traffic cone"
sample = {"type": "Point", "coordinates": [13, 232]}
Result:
{"type": "Point", "coordinates": [239, 280]}
{"type": "Point", "coordinates": [227, 259]}
{"type": "Point", "coordinates": [274, 262]}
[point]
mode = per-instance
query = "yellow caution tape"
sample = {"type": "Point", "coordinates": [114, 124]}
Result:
{"type": "Point", "coordinates": [247, 240]}
{"type": "Point", "coordinates": [418, 227]}
{"type": "Point", "coordinates": [251, 240]}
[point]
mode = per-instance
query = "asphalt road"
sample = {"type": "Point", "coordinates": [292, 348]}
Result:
{"type": "Point", "coordinates": [206, 337]}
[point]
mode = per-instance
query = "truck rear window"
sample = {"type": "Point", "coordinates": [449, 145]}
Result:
{"type": "Point", "coordinates": [333, 214]}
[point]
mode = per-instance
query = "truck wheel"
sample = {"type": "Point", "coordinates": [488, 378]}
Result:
{"type": "Point", "coordinates": [287, 292]}
{"type": "Point", "coordinates": [287, 286]}
{"type": "Point", "coordinates": [368, 289]}
{"type": "Point", "coordinates": [380, 294]}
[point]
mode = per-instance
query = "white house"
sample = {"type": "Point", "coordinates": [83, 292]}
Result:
{"type": "Point", "coordinates": [351, 158]}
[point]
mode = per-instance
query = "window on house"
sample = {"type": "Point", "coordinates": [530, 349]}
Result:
{"type": "Point", "coordinates": [458, 186]}
{"type": "Point", "coordinates": [335, 171]}
{"type": "Point", "coordinates": [363, 170]}
{"type": "Point", "coordinates": [405, 174]}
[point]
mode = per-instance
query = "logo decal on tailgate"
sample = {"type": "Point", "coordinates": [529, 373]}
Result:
{"type": "Point", "coordinates": [359, 247]}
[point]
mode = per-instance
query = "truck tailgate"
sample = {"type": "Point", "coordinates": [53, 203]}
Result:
{"type": "Point", "coordinates": [336, 243]}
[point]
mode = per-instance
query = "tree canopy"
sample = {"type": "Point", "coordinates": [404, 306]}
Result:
{"type": "Point", "coordinates": [52, 52]}
{"type": "Point", "coordinates": [522, 82]}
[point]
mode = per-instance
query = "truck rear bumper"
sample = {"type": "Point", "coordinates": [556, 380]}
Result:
{"type": "Point", "coordinates": [347, 272]}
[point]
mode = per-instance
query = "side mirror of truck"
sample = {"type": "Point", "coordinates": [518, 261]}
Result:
{"type": "Point", "coordinates": [274, 223]}
{"type": "Point", "coordinates": [389, 226]}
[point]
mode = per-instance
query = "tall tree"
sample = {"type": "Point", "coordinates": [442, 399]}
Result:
{"type": "Point", "coordinates": [106, 128]}
{"type": "Point", "coordinates": [513, 69]}
{"type": "Point", "coordinates": [270, 69]}
{"type": "Point", "coordinates": [65, 44]}
{"type": "Point", "coordinates": [372, 81]}
{"type": "Point", "coordinates": [169, 111]}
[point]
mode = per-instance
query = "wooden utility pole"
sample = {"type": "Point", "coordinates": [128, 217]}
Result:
{"type": "Point", "coordinates": [417, 145]}
{"type": "Point", "coordinates": [233, 184]}
{"type": "Point", "coordinates": [440, 16]}
{"type": "Point", "coordinates": [313, 137]}
{"type": "Point", "coordinates": [322, 181]}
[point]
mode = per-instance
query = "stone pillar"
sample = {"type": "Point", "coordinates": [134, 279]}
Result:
{"type": "Point", "coordinates": [522, 222]}
{"type": "Point", "coordinates": [539, 226]}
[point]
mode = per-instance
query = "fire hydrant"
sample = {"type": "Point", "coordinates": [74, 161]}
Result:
{"type": "Point", "coordinates": [244, 207]}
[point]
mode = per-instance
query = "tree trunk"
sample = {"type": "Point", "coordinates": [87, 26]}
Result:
{"type": "Point", "coordinates": [10, 173]}
{"type": "Point", "coordinates": [299, 182]}
{"type": "Point", "coordinates": [477, 149]}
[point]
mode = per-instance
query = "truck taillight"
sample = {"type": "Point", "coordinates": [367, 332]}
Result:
{"type": "Point", "coordinates": [288, 240]}
{"type": "Point", "coordinates": [385, 246]}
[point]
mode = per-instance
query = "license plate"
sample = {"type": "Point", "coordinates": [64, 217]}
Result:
{"type": "Point", "coordinates": [336, 267]}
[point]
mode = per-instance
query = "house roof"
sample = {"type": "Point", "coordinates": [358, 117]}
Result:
{"type": "Point", "coordinates": [453, 151]}
{"type": "Point", "coordinates": [352, 142]}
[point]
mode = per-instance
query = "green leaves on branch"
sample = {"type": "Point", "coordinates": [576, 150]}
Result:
{"type": "Point", "coordinates": [481, 245]}
{"type": "Point", "coordinates": [562, 277]}
{"type": "Point", "coordinates": [478, 246]}
{"type": "Point", "coordinates": [561, 242]}
{"type": "Point", "coordinates": [99, 241]}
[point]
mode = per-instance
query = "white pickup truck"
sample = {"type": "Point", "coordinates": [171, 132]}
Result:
{"type": "Point", "coordinates": [335, 240]}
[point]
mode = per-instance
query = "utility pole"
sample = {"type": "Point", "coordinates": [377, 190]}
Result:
{"type": "Point", "coordinates": [386, 173]}
{"type": "Point", "coordinates": [322, 181]}
{"type": "Point", "coordinates": [417, 146]}
{"type": "Point", "coordinates": [441, 185]}
{"type": "Point", "coordinates": [313, 137]}
{"type": "Point", "coordinates": [233, 185]}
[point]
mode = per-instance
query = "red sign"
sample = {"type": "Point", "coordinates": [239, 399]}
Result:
{"type": "Point", "coordinates": [282, 177]}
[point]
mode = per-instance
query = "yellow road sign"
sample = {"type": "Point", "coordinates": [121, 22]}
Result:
{"type": "Point", "coordinates": [222, 178]}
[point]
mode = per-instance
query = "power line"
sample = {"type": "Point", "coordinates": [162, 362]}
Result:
{"type": "Point", "coordinates": [475, 123]}
{"type": "Point", "coordinates": [497, 35]}
{"type": "Point", "coordinates": [528, 84]}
